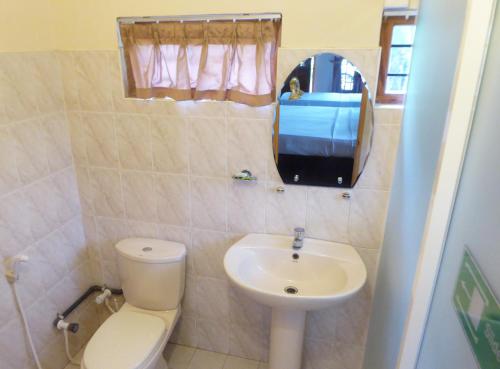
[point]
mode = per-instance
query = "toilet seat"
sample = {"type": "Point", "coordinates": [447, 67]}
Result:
{"type": "Point", "coordinates": [126, 340]}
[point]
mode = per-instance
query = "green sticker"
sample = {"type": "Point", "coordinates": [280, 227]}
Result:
{"type": "Point", "coordinates": [479, 313]}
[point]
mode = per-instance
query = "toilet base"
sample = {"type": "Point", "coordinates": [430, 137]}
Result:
{"type": "Point", "coordinates": [155, 360]}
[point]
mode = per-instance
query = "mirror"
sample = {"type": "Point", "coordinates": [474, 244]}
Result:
{"type": "Point", "coordinates": [323, 123]}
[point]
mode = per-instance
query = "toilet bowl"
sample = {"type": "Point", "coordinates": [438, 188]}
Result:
{"type": "Point", "coordinates": [152, 276]}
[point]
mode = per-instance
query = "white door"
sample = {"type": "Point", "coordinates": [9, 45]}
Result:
{"type": "Point", "coordinates": [463, 328]}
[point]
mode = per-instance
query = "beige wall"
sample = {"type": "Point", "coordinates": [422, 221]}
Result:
{"type": "Point", "coordinates": [88, 25]}
{"type": "Point", "coordinates": [315, 24]}
{"type": "Point", "coordinates": [411, 4]}
{"type": "Point", "coordinates": [27, 25]}
{"type": "Point", "coordinates": [414, 4]}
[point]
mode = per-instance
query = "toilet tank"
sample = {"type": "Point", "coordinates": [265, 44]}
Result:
{"type": "Point", "coordinates": [152, 272]}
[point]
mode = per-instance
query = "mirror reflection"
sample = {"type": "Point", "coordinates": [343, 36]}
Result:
{"type": "Point", "coordinates": [324, 123]}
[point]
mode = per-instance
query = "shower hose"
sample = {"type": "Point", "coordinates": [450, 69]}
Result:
{"type": "Point", "coordinates": [26, 326]}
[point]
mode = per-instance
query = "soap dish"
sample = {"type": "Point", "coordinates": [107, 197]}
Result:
{"type": "Point", "coordinates": [244, 175]}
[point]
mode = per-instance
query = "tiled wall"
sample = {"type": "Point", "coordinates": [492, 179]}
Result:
{"type": "Point", "coordinates": [39, 212]}
{"type": "Point", "coordinates": [162, 169]}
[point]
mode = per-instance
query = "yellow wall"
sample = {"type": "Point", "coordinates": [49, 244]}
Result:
{"type": "Point", "coordinates": [90, 24]}
{"type": "Point", "coordinates": [26, 25]}
{"type": "Point", "coordinates": [414, 4]}
{"type": "Point", "coordinates": [411, 4]}
{"type": "Point", "coordinates": [32, 25]}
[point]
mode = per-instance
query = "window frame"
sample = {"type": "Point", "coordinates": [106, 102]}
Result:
{"type": "Point", "coordinates": [388, 24]}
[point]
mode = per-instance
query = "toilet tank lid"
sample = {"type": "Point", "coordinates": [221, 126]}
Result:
{"type": "Point", "coordinates": [148, 250]}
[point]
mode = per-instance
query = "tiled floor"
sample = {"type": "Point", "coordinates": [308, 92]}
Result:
{"type": "Point", "coordinates": [184, 357]}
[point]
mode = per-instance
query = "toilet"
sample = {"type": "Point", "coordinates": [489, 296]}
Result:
{"type": "Point", "coordinates": [152, 276]}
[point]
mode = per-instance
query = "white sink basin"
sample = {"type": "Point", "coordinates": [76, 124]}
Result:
{"type": "Point", "coordinates": [324, 273]}
{"type": "Point", "coordinates": [270, 271]}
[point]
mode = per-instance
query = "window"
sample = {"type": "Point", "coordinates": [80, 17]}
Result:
{"type": "Point", "coordinates": [347, 75]}
{"type": "Point", "coordinates": [230, 57]}
{"type": "Point", "coordinates": [396, 40]}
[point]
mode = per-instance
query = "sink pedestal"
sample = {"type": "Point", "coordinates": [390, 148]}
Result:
{"type": "Point", "coordinates": [287, 338]}
{"type": "Point", "coordinates": [269, 271]}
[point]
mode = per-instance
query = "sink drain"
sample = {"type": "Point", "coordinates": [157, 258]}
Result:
{"type": "Point", "coordinates": [291, 290]}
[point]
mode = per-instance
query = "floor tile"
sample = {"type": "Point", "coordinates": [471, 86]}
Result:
{"type": "Point", "coordinates": [178, 356]}
{"type": "Point", "coordinates": [185, 357]}
{"type": "Point", "coordinates": [207, 360]}
{"type": "Point", "coordinates": [233, 362]}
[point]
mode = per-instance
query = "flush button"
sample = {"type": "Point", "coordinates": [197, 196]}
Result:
{"type": "Point", "coordinates": [147, 249]}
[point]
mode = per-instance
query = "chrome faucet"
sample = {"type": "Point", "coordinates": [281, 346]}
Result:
{"type": "Point", "coordinates": [298, 240]}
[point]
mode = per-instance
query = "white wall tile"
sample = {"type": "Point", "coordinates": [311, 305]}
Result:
{"type": "Point", "coordinates": [212, 299]}
{"type": "Point", "coordinates": [327, 214]}
{"type": "Point", "coordinates": [207, 147]}
{"type": "Point", "coordinates": [57, 141]}
{"type": "Point", "coordinates": [39, 203]}
{"type": "Point", "coordinates": [244, 311]}
{"type": "Point", "coordinates": [378, 171]}
{"type": "Point", "coordinates": [100, 139]}
{"type": "Point", "coordinates": [208, 252]}
{"type": "Point", "coordinates": [109, 232]}
{"type": "Point", "coordinates": [43, 201]}
{"type": "Point", "coordinates": [208, 203]}
{"type": "Point", "coordinates": [16, 222]}
{"type": "Point", "coordinates": [30, 154]}
{"type": "Point", "coordinates": [13, 342]}
{"type": "Point", "coordinates": [247, 207]}
{"type": "Point", "coordinates": [172, 199]}
{"type": "Point", "coordinates": [388, 114]}
{"type": "Point", "coordinates": [170, 144]}
{"type": "Point", "coordinates": [162, 169]}
{"type": "Point", "coordinates": [367, 220]}
{"type": "Point", "coordinates": [42, 329]}
{"type": "Point", "coordinates": [77, 131]}
{"type": "Point", "coordinates": [47, 83]}
{"type": "Point", "coordinates": [285, 210]}
{"type": "Point", "coordinates": [134, 141]}
{"type": "Point", "coordinates": [93, 81]}
{"type": "Point", "coordinates": [107, 196]}
{"type": "Point", "coordinates": [249, 146]}
{"type": "Point", "coordinates": [17, 91]}
{"type": "Point", "coordinates": [185, 332]}
{"type": "Point", "coordinates": [8, 306]}
{"type": "Point", "coordinates": [9, 177]}
{"type": "Point", "coordinates": [139, 196]}
{"type": "Point", "coordinates": [248, 342]}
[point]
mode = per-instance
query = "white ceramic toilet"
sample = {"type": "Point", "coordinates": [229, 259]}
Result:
{"type": "Point", "coordinates": [152, 276]}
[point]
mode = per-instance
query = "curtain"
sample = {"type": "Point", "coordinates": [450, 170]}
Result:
{"type": "Point", "coordinates": [218, 60]}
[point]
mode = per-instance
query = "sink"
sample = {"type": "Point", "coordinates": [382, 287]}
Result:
{"type": "Point", "coordinates": [292, 282]}
{"type": "Point", "coordinates": [319, 275]}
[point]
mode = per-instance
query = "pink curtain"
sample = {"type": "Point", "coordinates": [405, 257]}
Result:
{"type": "Point", "coordinates": [216, 60]}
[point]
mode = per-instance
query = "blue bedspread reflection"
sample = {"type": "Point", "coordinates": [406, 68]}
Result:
{"type": "Point", "coordinates": [319, 124]}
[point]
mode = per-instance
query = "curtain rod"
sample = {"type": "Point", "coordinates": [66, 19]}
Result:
{"type": "Point", "coordinates": [200, 17]}
{"type": "Point", "coordinates": [400, 12]}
